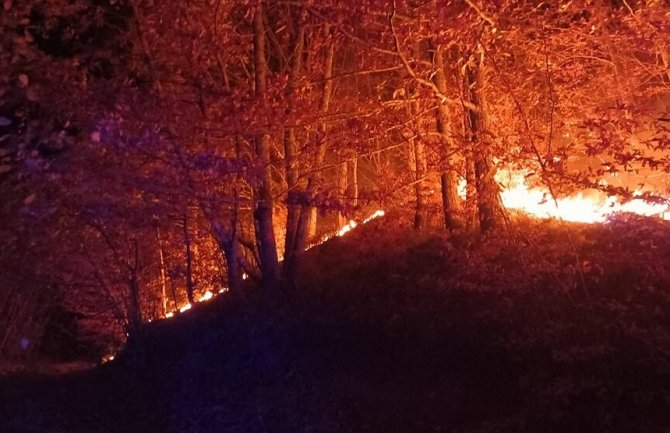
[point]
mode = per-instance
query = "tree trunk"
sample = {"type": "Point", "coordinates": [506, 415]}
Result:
{"type": "Point", "coordinates": [354, 181]}
{"type": "Point", "coordinates": [419, 166]}
{"type": "Point", "coordinates": [665, 59]}
{"type": "Point", "coordinates": [134, 310]}
{"type": "Point", "coordinates": [189, 261]}
{"type": "Point", "coordinates": [487, 190]}
{"type": "Point", "coordinates": [134, 304]}
{"type": "Point", "coordinates": [312, 220]}
{"type": "Point", "coordinates": [228, 243]}
{"type": "Point", "coordinates": [307, 219]}
{"type": "Point", "coordinates": [263, 218]}
{"type": "Point", "coordinates": [470, 188]}
{"type": "Point", "coordinates": [290, 154]}
{"type": "Point", "coordinates": [164, 296]}
{"type": "Point", "coordinates": [342, 191]}
{"type": "Point", "coordinates": [451, 203]}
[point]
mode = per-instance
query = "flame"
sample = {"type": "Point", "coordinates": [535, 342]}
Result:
{"type": "Point", "coordinates": [347, 228]}
{"type": "Point", "coordinates": [206, 296]}
{"type": "Point", "coordinates": [581, 207]}
{"type": "Point", "coordinates": [185, 308]}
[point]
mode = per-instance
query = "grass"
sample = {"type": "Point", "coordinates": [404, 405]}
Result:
{"type": "Point", "coordinates": [556, 328]}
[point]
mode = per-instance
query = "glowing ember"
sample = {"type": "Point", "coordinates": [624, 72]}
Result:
{"type": "Point", "coordinates": [185, 308]}
{"type": "Point", "coordinates": [107, 358]}
{"type": "Point", "coordinates": [206, 296]}
{"type": "Point", "coordinates": [168, 315]}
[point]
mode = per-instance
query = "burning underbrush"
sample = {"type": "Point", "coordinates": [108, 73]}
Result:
{"type": "Point", "coordinates": [547, 327]}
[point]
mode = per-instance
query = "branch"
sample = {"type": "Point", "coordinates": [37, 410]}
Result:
{"type": "Point", "coordinates": [480, 12]}
{"type": "Point", "coordinates": [408, 67]}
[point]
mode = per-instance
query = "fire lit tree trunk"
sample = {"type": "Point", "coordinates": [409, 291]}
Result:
{"type": "Point", "coordinates": [134, 303]}
{"type": "Point", "coordinates": [290, 154]}
{"type": "Point", "coordinates": [228, 243]}
{"type": "Point", "coordinates": [263, 218]}
{"type": "Point", "coordinates": [417, 164]}
{"type": "Point", "coordinates": [420, 173]}
{"type": "Point", "coordinates": [164, 296]}
{"type": "Point", "coordinates": [354, 181]}
{"type": "Point", "coordinates": [228, 239]}
{"type": "Point", "coordinates": [470, 188]}
{"type": "Point", "coordinates": [307, 219]}
{"type": "Point", "coordinates": [487, 190]}
{"type": "Point", "coordinates": [342, 190]}
{"type": "Point", "coordinates": [189, 260]}
{"type": "Point", "coordinates": [451, 203]}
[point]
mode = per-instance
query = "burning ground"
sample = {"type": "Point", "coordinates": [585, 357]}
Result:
{"type": "Point", "coordinates": [548, 327]}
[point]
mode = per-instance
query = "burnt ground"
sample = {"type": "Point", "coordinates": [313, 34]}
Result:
{"type": "Point", "coordinates": [554, 328]}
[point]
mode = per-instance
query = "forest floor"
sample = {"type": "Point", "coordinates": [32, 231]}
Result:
{"type": "Point", "coordinates": [557, 328]}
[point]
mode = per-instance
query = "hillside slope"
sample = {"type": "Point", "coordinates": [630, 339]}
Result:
{"type": "Point", "coordinates": [556, 329]}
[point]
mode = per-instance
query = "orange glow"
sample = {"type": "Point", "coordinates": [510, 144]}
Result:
{"type": "Point", "coordinates": [580, 207]}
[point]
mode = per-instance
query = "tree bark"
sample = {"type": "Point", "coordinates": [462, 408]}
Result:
{"type": "Point", "coordinates": [290, 154]}
{"type": "Point", "coordinates": [342, 190]}
{"type": "Point", "coordinates": [354, 181]}
{"type": "Point", "coordinates": [135, 305]}
{"type": "Point", "coordinates": [419, 165]}
{"type": "Point", "coordinates": [189, 260]}
{"type": "Point", "coordinates": [263, 213]}
{"type": "Point", "coordinates": [488, 202]}
{"type": "Point", "coordinates": [307, 219]}
{"type": "Point", "coordinates": [164, 296]}
{"type": "Point", "coordinates": [451, 203]}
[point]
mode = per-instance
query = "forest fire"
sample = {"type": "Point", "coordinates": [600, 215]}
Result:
{"type": "Point", "coordinates": [521, 148]}
{"type": "Point", "coordinates": [594, 207]}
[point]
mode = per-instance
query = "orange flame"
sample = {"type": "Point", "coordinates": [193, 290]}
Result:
{"type": "Point", "coordinates": [580, 207]}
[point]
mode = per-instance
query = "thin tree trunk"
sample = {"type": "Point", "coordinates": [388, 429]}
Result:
{"type": "Point", "coordinates": [290, 154]}
{"type": "Point", "coordinates": [419, 165]}
{"type": "Point", "coordinates": [451, 203]}
{"type": "Point", "coordinates": [470, 188]}
{"type": "Point", "coordinates": [487, 191]}
{"type": "Point", "coordinates": [164, 296]}
{"type": "Point", "coordinates": [312, 220]}
{"type": "Point", "coordinates": [308, 215]}
{"type": "Point", "coordinates": [263, 218]}
{"type": "Point", "coordinates": [420, 173]}
{"type": "Point", "coordinates": [134, 307]}
{"type": "Point", "coordinates": [342, 190]}
{"type": "Point", "coordinates": [354, 181]}
{"type": "Point", "coordinates": [665, 59]}
{"type": "Point", "coordinates": [189, 260]}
